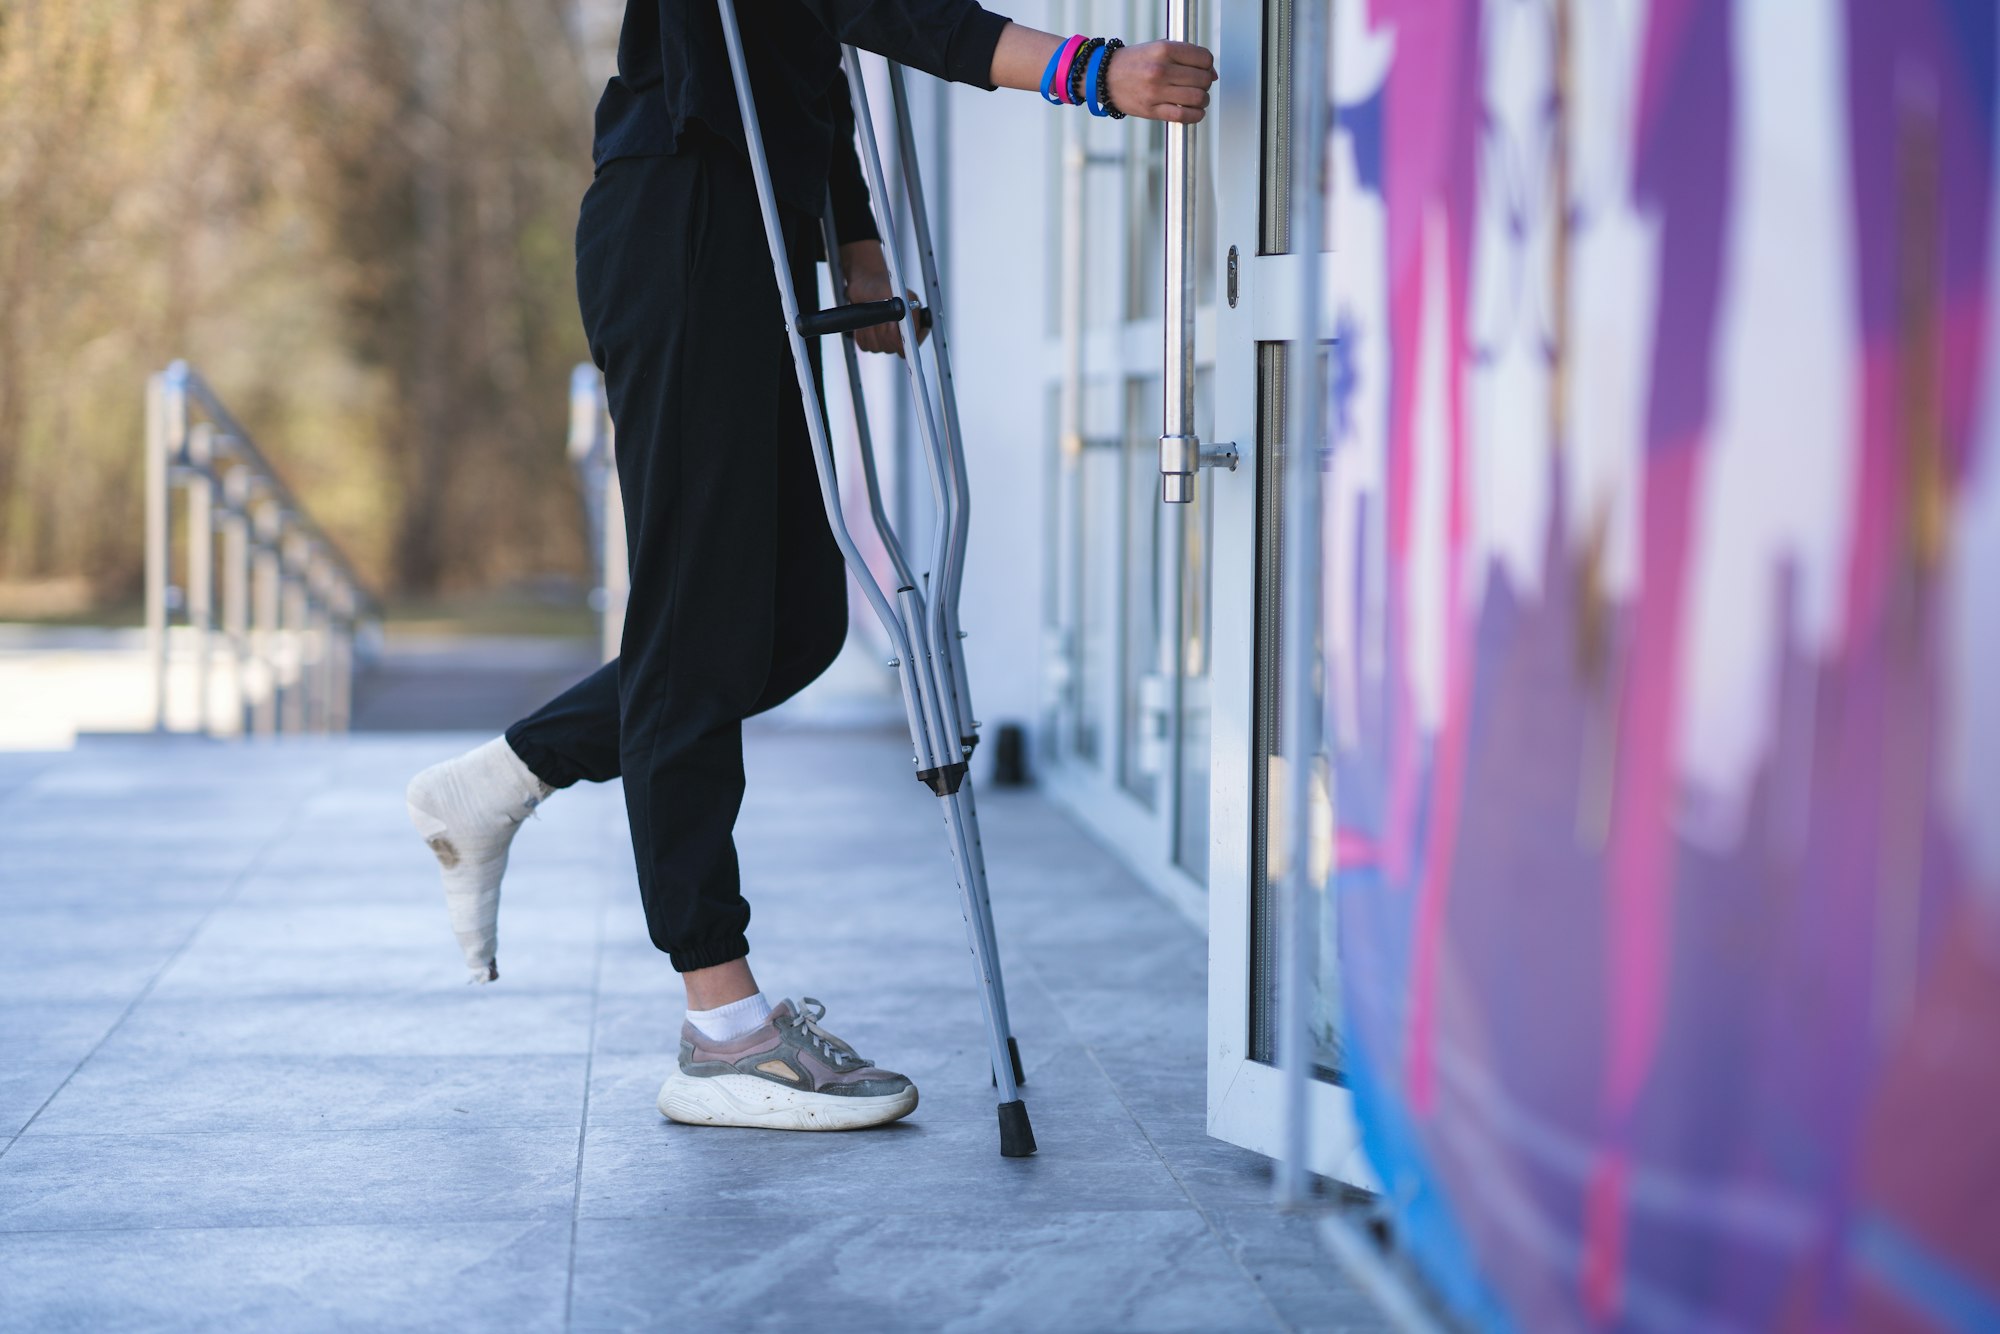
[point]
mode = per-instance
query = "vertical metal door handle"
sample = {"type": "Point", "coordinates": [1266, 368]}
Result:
{"type": "Point", "coordinates": [1180, 447]}
{"type": "Point", "coordinates": [1181, 454]}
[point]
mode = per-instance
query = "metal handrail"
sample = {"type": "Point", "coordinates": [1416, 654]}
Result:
{"type": "Point", "coordinates": [294, 616]}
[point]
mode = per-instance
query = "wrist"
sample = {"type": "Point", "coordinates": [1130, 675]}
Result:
{"type": "Point", "coordinates": [1020, 56]}
{"type": "Point", "coordinates": [863, 266]}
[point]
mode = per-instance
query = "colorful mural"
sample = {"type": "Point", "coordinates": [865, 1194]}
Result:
{"type": "Point", "coordinates": [1663, 654]}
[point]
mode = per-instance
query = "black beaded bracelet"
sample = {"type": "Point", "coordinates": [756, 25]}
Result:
{"type": "Point", "coordinates": [1077, 65]}
{"type": "Point", "coordinates": [1111, 48]}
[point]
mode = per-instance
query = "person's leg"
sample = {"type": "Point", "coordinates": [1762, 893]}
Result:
{"type": "Point", "coordinates": [470, 807]}
{"type": "Point", "coordinates": [574, 737]}
{"type": "Point", "coordinates": [809, 625]}
{"type": "Point", "coordinates": [684, 316]}
{"type": "Point", "coordinates": [738, 601]}
{"type": "Point", "coordinates": [809, 600]}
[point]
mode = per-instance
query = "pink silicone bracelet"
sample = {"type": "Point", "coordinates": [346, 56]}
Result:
{"type": "Point", "coordinates": [1063, 60]}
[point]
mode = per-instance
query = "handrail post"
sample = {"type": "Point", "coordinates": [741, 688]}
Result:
{"type": "Point", "coordinates": [292, 560]}
{"type": "Point", "coordinates": [165, 404]}
{"type": "Point", "coordinates": [320, 587]}
{"type": "Point", "coordinates": [235, 523]}
{"type": "Point", "coordinates": [200, 594]}
{"type": "Point", "coordinates": [309, 643]}
{"type": "Point", "coordinates": [340, 671]}
{"type": "Point", "coordinates": [269, 577]}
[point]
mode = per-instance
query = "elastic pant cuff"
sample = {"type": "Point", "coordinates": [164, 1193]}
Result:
{"type": "Point", "coordinates": [543, 763]}
{"type": "Point", "coordinates": [722, 949]}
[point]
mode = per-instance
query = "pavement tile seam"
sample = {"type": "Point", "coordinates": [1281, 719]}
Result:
{"type": "Point", "coordinates": [1208, 1221]}
{"type": "Point", "coordinates": [256, 860]}
{"type": "Point", "coordinates": [301, 1132]}
{"type": "Point", "coordinates": [9, 1232]}
{"type": "Point", "coordinates": [583, 1126]}
{"type": "Point", "coordinates": [1063, 1270]}
{"type": "Point", "coordinates": [1193, 1203]}
{"type": "Point", "coordinates": [257, 1229]}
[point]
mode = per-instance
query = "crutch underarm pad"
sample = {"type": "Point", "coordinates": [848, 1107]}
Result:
{"type": "Point", "coordinates": [848, 318]}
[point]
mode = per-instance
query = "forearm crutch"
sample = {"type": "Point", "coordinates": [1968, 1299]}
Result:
{"type": "Point", "coordinates": [923, 631]}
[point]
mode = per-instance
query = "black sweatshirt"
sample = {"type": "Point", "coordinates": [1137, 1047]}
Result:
{"type": "Point", "coordinates": [673, 70]}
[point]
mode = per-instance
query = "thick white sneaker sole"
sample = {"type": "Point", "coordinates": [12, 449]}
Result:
{"type": "Point", "coordinates": [745, 1100]}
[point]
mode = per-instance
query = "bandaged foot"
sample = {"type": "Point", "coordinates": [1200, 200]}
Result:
{"type": "Point", "coordinates": [467, 810]}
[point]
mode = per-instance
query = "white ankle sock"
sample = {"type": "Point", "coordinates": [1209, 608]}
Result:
{"type": "Point", "coordinates": [468, 810]}
{"type": "Point", "coordinates": [727, 1022]}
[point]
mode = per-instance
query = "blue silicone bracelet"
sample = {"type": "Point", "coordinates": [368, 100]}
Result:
{"type": "Point", "coordinates": [1091, 74]}
{"type": "Point", "coordinates": [1049, 77]}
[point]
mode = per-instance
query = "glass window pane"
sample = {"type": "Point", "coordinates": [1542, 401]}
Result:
{"type": "Point", "coordinates": [1098, 478]}
{"type": "Point", "coordinates": [1147, 245]}
{"type": "Point", "coordinates": [1275, 366]}
{"type": "Point", "coordinates": [1146, 694]}
{"type": "Point", "coordinates": [1060, 699]}
{"type": "Point", "coordinates": [1106, 205]}
{"type": "Point", "coordinates": [1279, 134]}
{"type": "Point", "coordinates": [1101, 490]}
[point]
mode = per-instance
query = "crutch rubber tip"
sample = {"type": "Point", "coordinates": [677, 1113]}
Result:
{"type": "Point", "coordinates": [1017, 1139]}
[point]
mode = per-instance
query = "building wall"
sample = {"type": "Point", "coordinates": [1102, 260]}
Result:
{"type": "Point", "coordinates": [1663, 660]}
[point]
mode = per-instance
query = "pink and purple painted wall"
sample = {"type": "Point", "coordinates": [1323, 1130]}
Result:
{"type": "Point", "coordinates": [1663, 654]}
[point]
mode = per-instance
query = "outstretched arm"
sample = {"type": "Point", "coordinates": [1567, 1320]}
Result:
{"type": "Point", "coordinates": [957, 39]}
{"type": "Point", "coordinates": [961, 41]}
{"type": "Point", "coordinates": [1155, 80]}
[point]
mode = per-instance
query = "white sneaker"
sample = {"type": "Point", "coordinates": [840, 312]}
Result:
{"type": "Point", "coordinates": [788, 1073]}
{"type": "Point", "coordinates": [467, 810]}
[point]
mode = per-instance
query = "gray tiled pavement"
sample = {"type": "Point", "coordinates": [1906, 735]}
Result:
{"type": "Point", "coordinates": [242, 1086]}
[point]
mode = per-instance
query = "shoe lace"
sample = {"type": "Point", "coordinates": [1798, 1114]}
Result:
{"type": "Point", "coordinates": [805, 1022]}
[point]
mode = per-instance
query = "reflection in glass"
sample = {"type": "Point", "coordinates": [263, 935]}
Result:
{"type": "Point", "coordinates": [1275, 364]}
{"type": "Point", "coordinates": [1148, 248]}
{"type": "Point", "coordinates": [1100, 492]}
{"type": "Point", "coordinates": [1146, 695]}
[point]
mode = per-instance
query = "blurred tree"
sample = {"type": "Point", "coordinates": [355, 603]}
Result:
{"type": "Point", "coordinates": [354, 217]}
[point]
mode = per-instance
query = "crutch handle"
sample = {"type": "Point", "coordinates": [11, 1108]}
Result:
{"type": "Point", "coordinates": [858, 315]}
{"type": "Point", "coordinates": [848, 318]}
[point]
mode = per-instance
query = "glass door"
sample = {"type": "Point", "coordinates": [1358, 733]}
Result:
{"type": "Point", "coordinates": [1261, 364]}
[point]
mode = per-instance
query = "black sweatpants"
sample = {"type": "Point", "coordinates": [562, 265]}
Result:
{"type": "Point", "coordinates": [738, 594]}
